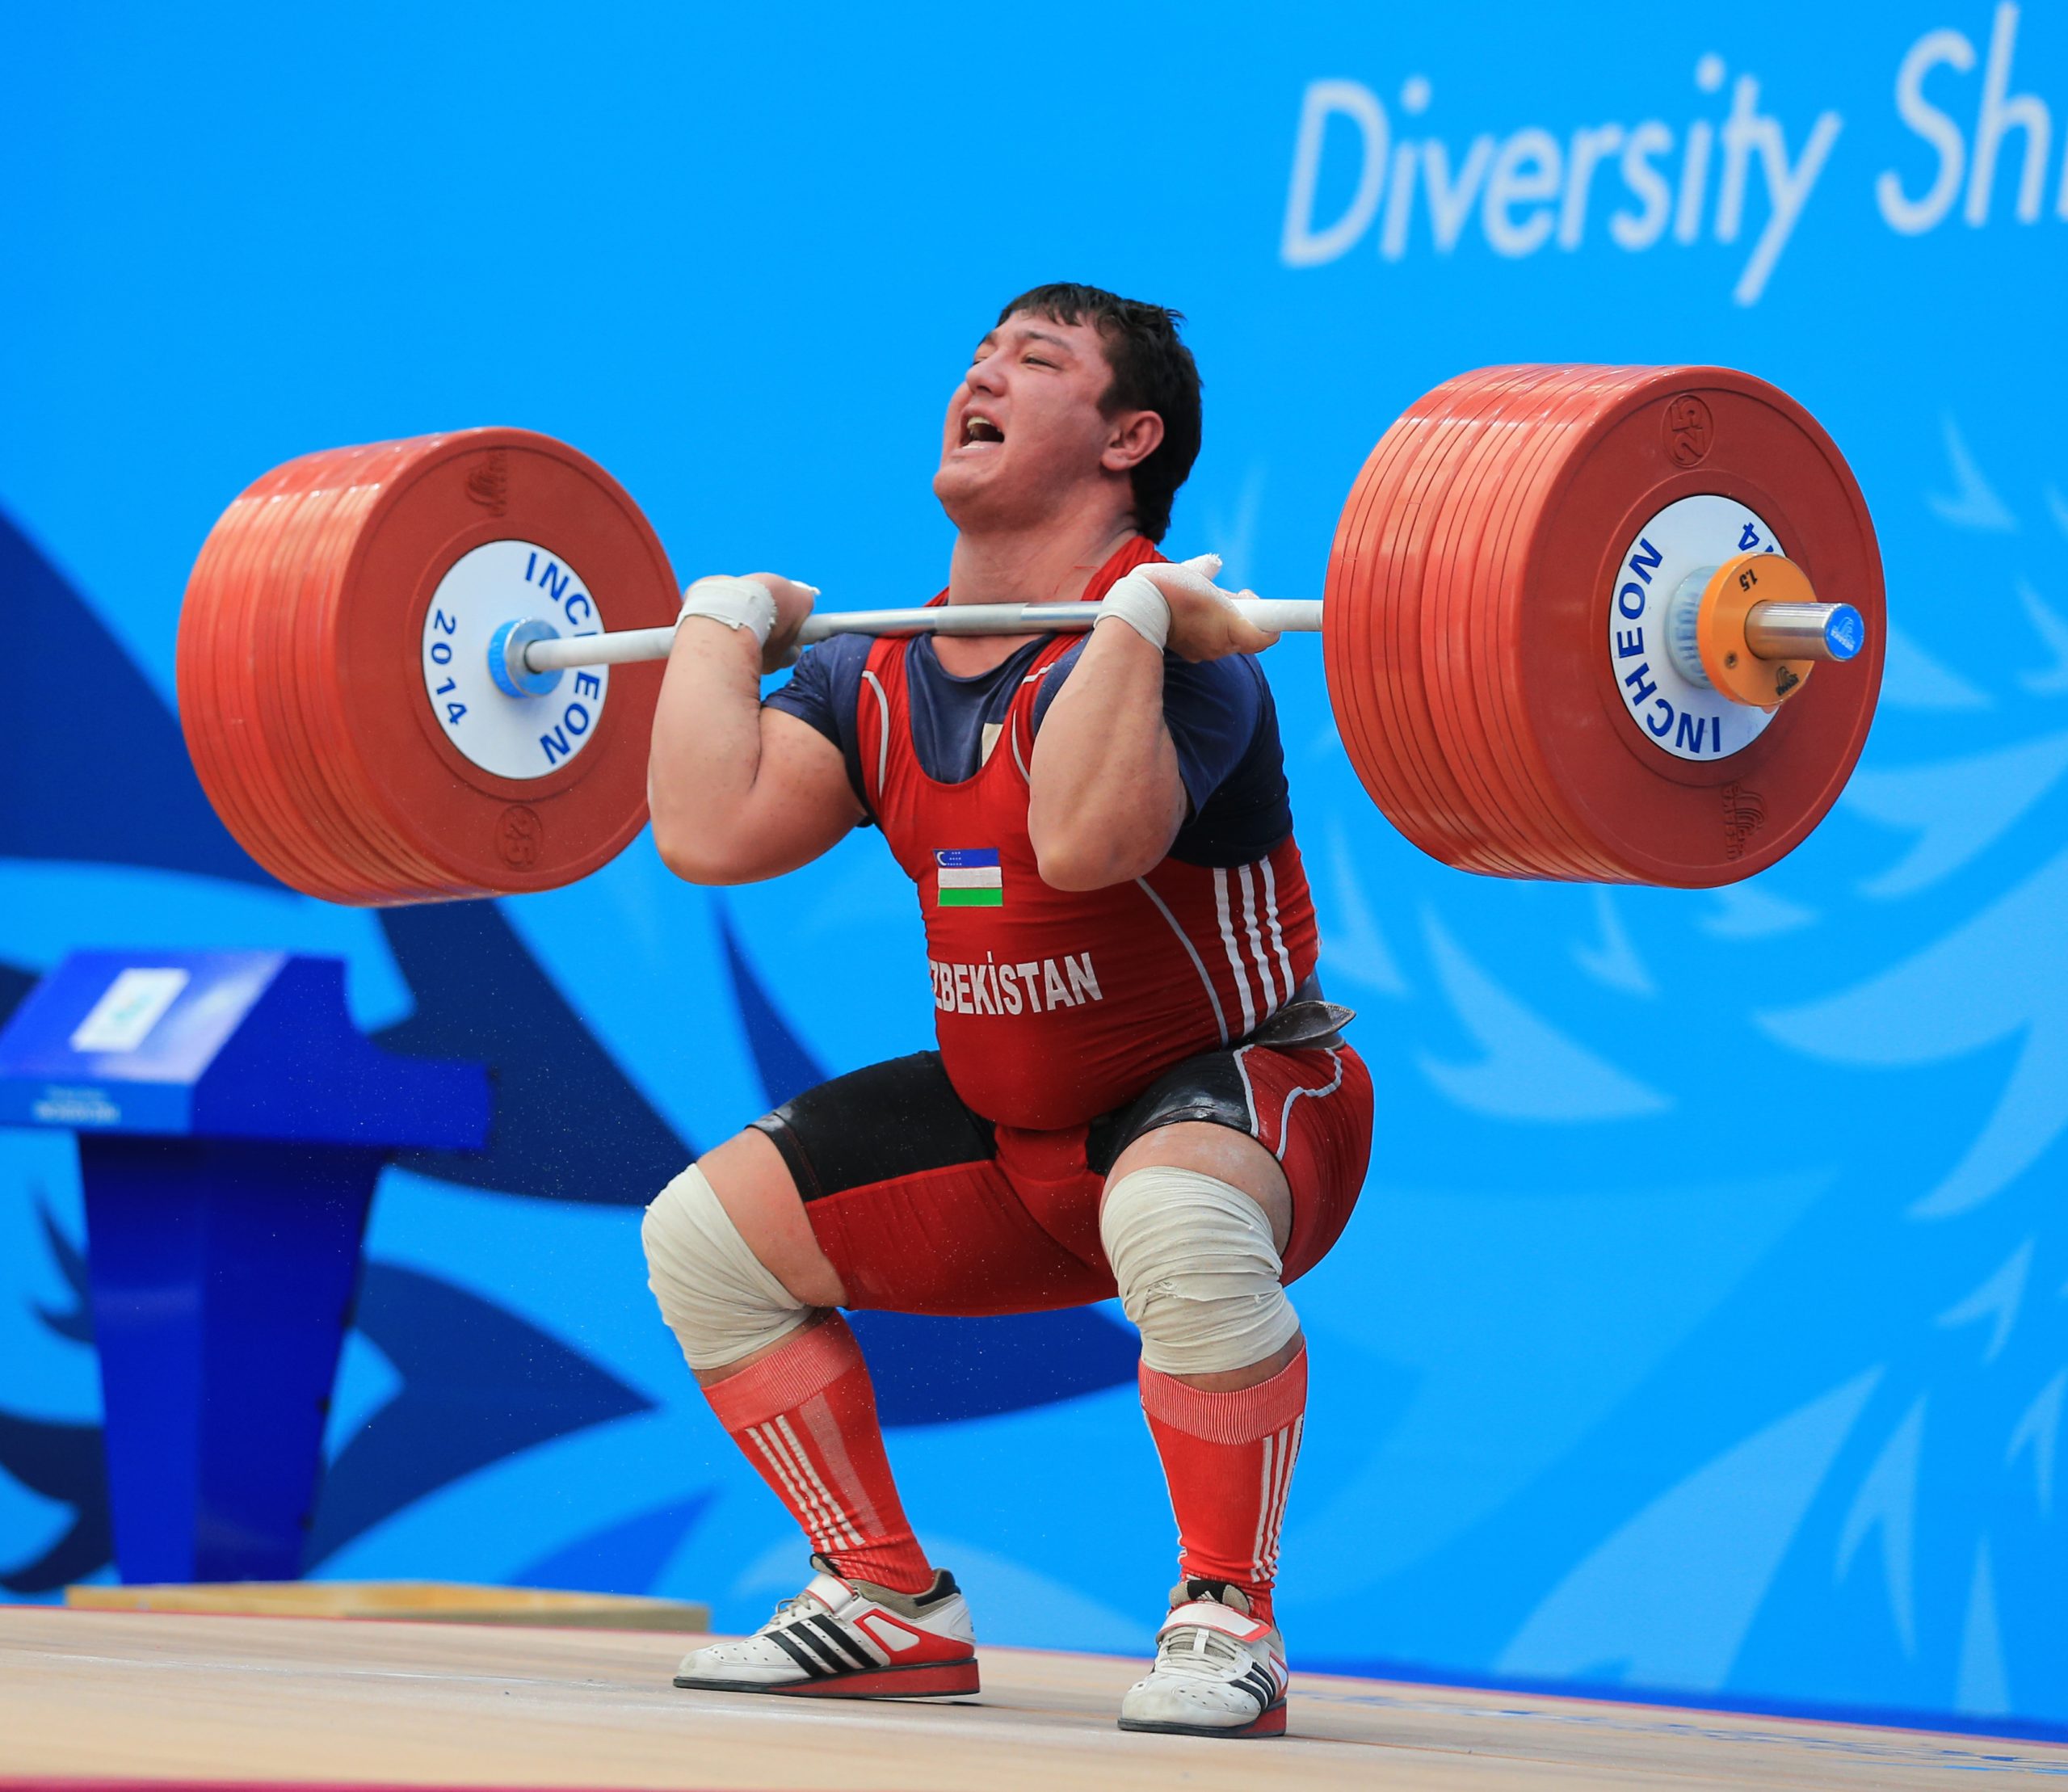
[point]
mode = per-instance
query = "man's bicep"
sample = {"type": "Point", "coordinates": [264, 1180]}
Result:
{"type": "Point", "coordinates": [804, 804]}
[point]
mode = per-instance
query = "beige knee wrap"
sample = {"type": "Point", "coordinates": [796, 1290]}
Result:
{"type": "Point", "coordinates": [717, 1297]}
{"type": "Point", "coordinates": [1197, 1272]}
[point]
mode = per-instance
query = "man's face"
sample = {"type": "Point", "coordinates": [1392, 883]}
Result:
{"type": "Point", "coordinates": [1024, 430]}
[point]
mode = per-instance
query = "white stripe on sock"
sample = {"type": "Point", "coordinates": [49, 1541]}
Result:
{"type": "Point", "coordinates": [816, 1417]}
{"type": "Point", "coordinates": [824, 1517]}
{"type": "Point", "coordinates": [1263, 1516]}
{"type": "Point", "coordinates": [1285, 1498]}
{"type": "Point", "coordinates": [810, 1516]}
{"type": "Point", "coordinates": [1289, 1458]}
{"type": "Point", "coordinates": [846, 1524]}
{"type": "Point", "coordinates": [1260, 1550]}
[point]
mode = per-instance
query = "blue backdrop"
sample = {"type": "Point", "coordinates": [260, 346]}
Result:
{"type": "Point", "coordinates": [1703, 1326]}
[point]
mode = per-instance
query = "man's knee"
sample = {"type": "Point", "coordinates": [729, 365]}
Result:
{"type": "Point", "coordinates": [717, 1297]}
{"type": "Point", "coordinates": [1197, 1271]}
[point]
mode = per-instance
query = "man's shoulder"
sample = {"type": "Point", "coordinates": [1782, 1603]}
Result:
{"type": "Point", "coordinates": [1218, 711]}
{"type": "Point", "coordinates": [841, 655]}
{"type": "Point", "coordinates": [828, 670]}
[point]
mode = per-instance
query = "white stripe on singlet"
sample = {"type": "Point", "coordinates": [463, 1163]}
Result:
{"type": "Point", "coordinates": [1191, 951]}
{"type": "Point", "coordinates": [1233, 951]}
{"type": "Point", "coordinates": [883, 728]}
{"type": "Point", "coordinates": [1277, 938]}
{"type": "Point", "coordinates": [1264, 978]}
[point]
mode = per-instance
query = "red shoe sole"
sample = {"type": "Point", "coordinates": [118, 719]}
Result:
{"type": "Point", "coordinates": [1269, 1724]}
{"type": "Point", "coordinates": [923, 1679]}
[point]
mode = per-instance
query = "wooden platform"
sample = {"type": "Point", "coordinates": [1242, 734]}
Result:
{"type": "Point", "coordinates": [421, 1601]}
{"type": "Point", "coordinates": [154, 1695]}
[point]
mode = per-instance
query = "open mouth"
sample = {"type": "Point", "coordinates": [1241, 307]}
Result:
{"type": "Point", "coordinates": [981, 429]}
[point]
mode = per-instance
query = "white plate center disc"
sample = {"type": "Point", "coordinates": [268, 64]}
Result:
{"type": "Point", "coordinates": [502, 581]}
{"type": "Point", "coordinates": [1676, 715]}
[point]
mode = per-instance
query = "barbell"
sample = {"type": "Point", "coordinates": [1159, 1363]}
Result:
{"type": "Point", "coordinates": [1568, 625]}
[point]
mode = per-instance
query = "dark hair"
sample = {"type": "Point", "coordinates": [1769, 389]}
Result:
{"type": "Point", "coordinates": [1152, 370]}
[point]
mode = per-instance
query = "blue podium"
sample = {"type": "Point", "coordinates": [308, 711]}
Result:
{"type": "Point", "coordinates": [232, 1123]}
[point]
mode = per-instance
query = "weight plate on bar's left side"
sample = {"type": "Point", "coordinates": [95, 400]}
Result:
{"type": "Point", "coordinates": [487, 587]}
{"type": "Point", "coordinates": [580, 806]}
{"type": "Point", "coordinates": [310, 626]}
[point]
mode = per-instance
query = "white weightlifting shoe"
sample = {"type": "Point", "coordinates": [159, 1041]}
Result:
{"type": "Point", "coordinates": [1219, 1672]}
{"type": "Point", "coordinates": [841, 1639]}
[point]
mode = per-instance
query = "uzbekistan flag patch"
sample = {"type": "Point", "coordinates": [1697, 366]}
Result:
{"type": "Point", "coordinates": [968, 877]}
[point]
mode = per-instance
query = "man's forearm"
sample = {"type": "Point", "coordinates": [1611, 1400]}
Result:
{"type": "Point", "coordinates": [706, 754]}
{"type": "Point", "coordinates": [1107, 796]}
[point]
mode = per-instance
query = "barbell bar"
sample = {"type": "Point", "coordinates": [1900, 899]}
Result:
{"type": "Point", "coordinates": [536, 654]}
{"type": "Point", "coordinates": [1775, 631]}
{"type": "Point", "coordinates": [1568, 627]}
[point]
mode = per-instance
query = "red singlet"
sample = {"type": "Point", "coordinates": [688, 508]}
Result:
{"type": "Point", "coordinates": [1054, 1006]}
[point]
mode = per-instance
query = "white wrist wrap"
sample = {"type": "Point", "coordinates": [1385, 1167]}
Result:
{"type": "Point", "coordinates": [738, 603]}
{"type": "Point", "coordinates": [1135, 600]}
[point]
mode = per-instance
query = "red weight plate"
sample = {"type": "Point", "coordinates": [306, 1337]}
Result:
{"type": "Point", "coordinates": [1483, 835]}
{"type": "Point", "coordinates": [1485, 632]}
{"type": "Point", "coordinates": [1375, 573]}
{"type": "Point", "coordinates": [273, 598]}
{"type": "Point", "coordinates": [1559, 854]}
{"type": "Point", "coordinates": [1586, 856]}
{"type": "Point", "coordinates": [1473, 835]}
{"type": "Point", "coordinates": [320, 722]}
{"type": "Point", "coordinates": [457, 494]}
{"type": "Point", "coordinates": [1490, 695]}
{"type": "Point", "coordinates": [1466, 625]}
{"type": "Point", "coordinates": [1369, 618]}
{"type": "Point", "coordinates": [1387, 549]}
{"type": "Point", "coordinates": [1387, 562]}
{"type": "Point", "coordinates": [303, 502]}
{"type": "Point", "coordinates": [278, 524]}
{"type": "Point", "coordinates": [1465, 607]}
{"type": "Point", "coordinates": [1352, 621]}
{"type": "Point", "coordinates": [218, 673]}
{"type": "Point", "coordinates": [1655, 817]}
{"type": "Point", "coordinates": [301, 670]}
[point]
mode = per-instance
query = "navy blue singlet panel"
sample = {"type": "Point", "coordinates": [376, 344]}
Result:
{"type": "Point", "coordinates": [1221, 718]}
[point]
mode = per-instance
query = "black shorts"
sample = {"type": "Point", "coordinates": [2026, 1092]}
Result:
{"type": "Point", "coordinates": [925, 1206]}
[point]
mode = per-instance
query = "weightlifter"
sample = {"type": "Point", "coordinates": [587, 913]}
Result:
{"type": "Point", "coordinates": [1138, 1089]}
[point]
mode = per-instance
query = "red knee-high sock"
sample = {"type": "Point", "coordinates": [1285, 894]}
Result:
{"type": "Point", "coordinates": [1229, 1460]}
{"type": "Point", "coordinates": [806, 1417]}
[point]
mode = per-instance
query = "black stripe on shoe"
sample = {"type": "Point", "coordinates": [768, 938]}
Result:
{"type": "Point", "coordinates": [1259, 1684]}
{"type": "Point", "coordinates": [835, 1662]}
{"type": "Point", "coordinates": [810, 1663]}
{"type": "Point", "coordinates": [855, 1655]}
